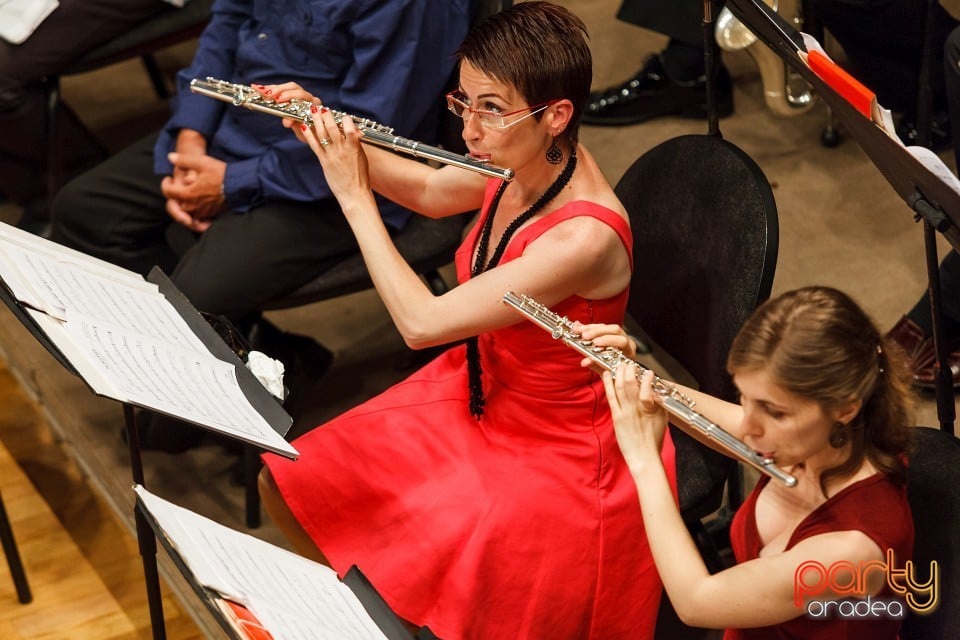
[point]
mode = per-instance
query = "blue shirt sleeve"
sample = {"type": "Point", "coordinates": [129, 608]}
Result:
{"type": "Point", "coordinates": [389, 60]}
{"type": "Point", "coordinates": [214, 57]}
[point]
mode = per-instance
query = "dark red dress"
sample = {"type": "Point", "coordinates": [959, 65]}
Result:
{"type": "Point", "coordinates": [524, 524]}
{"type": "Point", "coordinates": [877, 507]}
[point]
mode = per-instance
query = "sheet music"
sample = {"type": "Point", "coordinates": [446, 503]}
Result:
{"type": "Point", "coordinates": [293, 597]}
{"type": "Point", "coordinates": [126, 340]}
{"type": "Point", "coordinates": [937, 167]}
{"type": "Point", "coordinates": [186, 383]}
{"type": "Point", "coordinates": [53, 285]}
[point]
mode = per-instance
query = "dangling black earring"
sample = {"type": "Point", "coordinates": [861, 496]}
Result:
{"type": "Point", "coordinates": [554, 154]}
{"type": "Point", "coordinates": [839, 435]}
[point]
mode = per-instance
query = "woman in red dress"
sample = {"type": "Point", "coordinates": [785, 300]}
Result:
{"type": "Point", "coordinates": [485, 496]}
{"type": "Point", "coordinates": [825, 396]}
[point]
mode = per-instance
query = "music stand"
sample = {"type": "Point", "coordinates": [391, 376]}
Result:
{"type": "Point", "coordinates": [262, 402]}
{"type": "Point", "coordinates": [933, 200]}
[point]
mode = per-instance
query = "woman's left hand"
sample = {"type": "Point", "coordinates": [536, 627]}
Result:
{"type": "Point", "coordinates": [638, 419]}
{"type": "Point", "coordinates": [605, 336]}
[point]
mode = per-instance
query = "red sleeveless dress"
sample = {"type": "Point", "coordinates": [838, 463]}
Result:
{"type": "Point", "coordinates": [524, 524]}
{"type": "Point", "coordinates": [878, 507]}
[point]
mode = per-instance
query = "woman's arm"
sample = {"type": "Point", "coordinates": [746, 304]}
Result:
{"type": "Point", "coordinates": [579, 256]}
{"type": "Point", "coordinates": [756, 593]}
{"type": "Point", "coordinates": [412, 184]}
{"type": "Point", "coordinates": [727, 415]}
{"type": "Point", "coordinates": [417, 186]}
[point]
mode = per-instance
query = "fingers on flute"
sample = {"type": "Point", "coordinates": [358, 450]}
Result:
{"type": "Point", "coordinates": [309, 135]}
{"type": "Point", "coordinates": [647, 395]}
{"type": "Point", "coordinates": [602, 334]}
{"type": "Point", "coordinates": [285, 92]}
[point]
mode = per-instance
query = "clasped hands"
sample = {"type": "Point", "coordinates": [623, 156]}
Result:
{"type": "Point", "coordinates": [194, 192]}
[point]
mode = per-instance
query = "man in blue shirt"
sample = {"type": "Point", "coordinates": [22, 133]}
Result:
{"type": "Point", "coordinates": [226, 200]}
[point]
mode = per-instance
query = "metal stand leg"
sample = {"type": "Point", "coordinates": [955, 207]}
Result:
{"type": "Point", "coordinates": [943, 377]}
{"type": "Point", "coordinates": [145, 536]}
{"type": "Point", "coordinates": [251, 467]}
{"type": "Point", "coordinates": [54, 153]}
{"type": "Point", "coordinates": [13, 557]}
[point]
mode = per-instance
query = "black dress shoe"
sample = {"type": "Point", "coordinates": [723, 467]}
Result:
{"type": "Point", "coordinates": [651, 94]}
{"type": "Point", "coordinates": [302, 356]}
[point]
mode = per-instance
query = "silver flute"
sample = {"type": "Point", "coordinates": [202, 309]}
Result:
{"type": "Point", "coordinates": [672, 399]}
{"type": "Point", "coordinates": [372, 132]}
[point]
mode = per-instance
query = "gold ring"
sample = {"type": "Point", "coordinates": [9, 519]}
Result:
{"type": "Point", "coordinates": [324, 142]}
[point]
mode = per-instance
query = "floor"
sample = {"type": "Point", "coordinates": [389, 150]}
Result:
{"type": "Point", "coordinates": [840, 225]}
{"type": "Point", "coordinates": [83, 569]}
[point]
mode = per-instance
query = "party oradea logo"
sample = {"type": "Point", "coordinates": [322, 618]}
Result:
{"type": "Point", "coordinates": [852, 583]}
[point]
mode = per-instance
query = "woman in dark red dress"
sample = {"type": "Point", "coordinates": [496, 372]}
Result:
{"type": "Point", "coordinates": [827, 397]}
{"type": "Point", "coordinates": [485, 495]}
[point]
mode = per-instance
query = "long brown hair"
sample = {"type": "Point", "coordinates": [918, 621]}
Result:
{"type": "Point", "coordinates": [817, 343]}
{"type": "Point", "coordinates": [541, 49]}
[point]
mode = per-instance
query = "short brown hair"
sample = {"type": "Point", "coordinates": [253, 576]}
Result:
{"type": "Point", "coordinates": [817, 343]}
{"type": "Point", "coordinates": [541, 49]}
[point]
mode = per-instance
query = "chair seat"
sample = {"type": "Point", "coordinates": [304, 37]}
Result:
{"type": "Point", "coordinates": [167, 28]}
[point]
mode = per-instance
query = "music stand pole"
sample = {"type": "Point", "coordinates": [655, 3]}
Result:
{"type": "Point", "coordinates": [710, 67]}
{"type": "Point", "coordinates": [146, 539]}
{"type": "Point", "coordinates": [932, 220]}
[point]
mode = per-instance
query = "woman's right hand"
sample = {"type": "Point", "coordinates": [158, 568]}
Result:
{"type": "Point", "coordinates": [639, 420]}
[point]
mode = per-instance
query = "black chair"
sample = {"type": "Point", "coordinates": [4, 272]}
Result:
{"type": "Point", "coordinates": [933, 489]}
{"type": "Point", "coordinates": [705, 235]}
{"type": "Point", "coordinates": [13, 557]}
{"type": "Point", "coordinates": [166, 29]}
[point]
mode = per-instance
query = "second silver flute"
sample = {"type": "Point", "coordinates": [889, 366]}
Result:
{"type": "Point", "coordinates": [675, 402]}
{"type": "Point", "coordinates": [371, 132]}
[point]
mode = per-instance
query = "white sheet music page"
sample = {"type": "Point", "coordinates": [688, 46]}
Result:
{"type": "Point", "coordinates": [293, 598]}
{"type": "Point", "coordinates": [936, 166]}
{"type": "Point", "coordinates": [186, 383]}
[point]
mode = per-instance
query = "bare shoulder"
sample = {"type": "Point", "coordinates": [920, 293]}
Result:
{"type": "Point", "coordinates": [592, 186]}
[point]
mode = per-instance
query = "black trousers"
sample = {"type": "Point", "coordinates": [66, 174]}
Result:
{"type": "Point", "coordinates": [74, 28]}
{"type": "Point", "coordinates": [679, 19]}
{"type": "Point", "coordinates": [116, 212]}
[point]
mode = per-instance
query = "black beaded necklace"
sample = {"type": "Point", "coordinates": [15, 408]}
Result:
{"type": "Point", "coordinates": [473, 350]}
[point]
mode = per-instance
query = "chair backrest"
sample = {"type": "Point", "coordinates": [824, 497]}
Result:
{"type": "Point", "coordinates": [705, 236]}
{"type": "Point", "coordinates": [165, 29]}
{"type": "Point", "coordinates": [933, 488]}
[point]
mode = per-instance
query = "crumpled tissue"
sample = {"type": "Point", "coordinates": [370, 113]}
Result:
{"type": "Point", "coordinates": [268, 371]}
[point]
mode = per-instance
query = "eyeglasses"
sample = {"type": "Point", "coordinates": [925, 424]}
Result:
{"type": "Point", "coordinates": [491, 119]}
